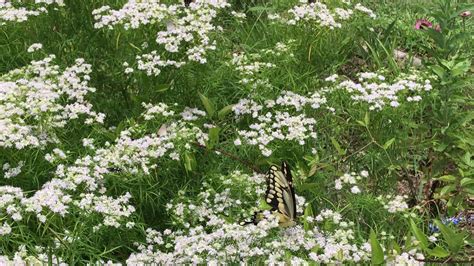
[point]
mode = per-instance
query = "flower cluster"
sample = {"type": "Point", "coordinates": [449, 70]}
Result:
{"type": "Point", "coordinates": [351, 179]}
{"type": "Point", "coordinates": [187, 30]}
{"type": "Point", "coordinates": [372, 88]}
{"type": "Point", "coordinates": [321, 14]}
{"type": "Point", "coordinates": [34, 47]}
{"type": "Point", "coordinates": [275, 123]}
{"type": "Point", "coordinates": [394, 204]}
{"type": "Point", "coordinates": [78, 189]}
{"type": "Point", "coordinates": [41, 97]}
{"type": "Point", "coordinates": [209, 231]}
{"type": "Point", "coordinates": [10, 172]}
{"type": "Point", "coordinates": [13, 12]}
{"type": "Point", "coordinates": [21, 257]}
{"type": "Point", "coordinates": [251, 67]}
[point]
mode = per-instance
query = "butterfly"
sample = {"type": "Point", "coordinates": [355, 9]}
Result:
{"type": "Point", "coordinates": [280, 195]}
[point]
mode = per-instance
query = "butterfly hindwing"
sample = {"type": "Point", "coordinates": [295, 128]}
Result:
{"type": "Point", "coordinates": [291, 202]}
{"type": "Point", "coordinates": [280, 193]}
{"type": "Point", "coordinates": [280, 196]}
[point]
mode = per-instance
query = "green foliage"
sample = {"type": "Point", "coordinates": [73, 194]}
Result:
{"type": "Point", "coordinates": [405, 149]}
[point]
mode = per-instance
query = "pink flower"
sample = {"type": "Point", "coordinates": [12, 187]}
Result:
{"type": "Point", "coordinates": [423, 23]}
{"type": "Point", "coordinates": [465, 14]}
{"type": "Point", "coordinates": [437, 28]}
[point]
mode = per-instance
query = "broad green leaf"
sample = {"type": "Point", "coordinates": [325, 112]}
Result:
{"type": "Point", "coordinates": [438, 252]}
{"type": "Point", "coordinates": [420, 236]}
{"type": "Point", "coordinates": [439, 71]}
{"type": "Point", "coordinates": [224, 111]}
{"type": "Point", "coordinates": [467, 159]}
{"type": "Point", "coordinates": [336, 145]}
{"type": "Point", "coordinates": [263, 205]}
{"type": "Point", "coordinates": [454, 240]}
{"type": "Point", "coordinates": [377, 252]}
{"type": "Point", "coordinates": [207, 105]}
{"type": "Point", "coordinates": [213, 137]}
{"type": "Point", "coordinates": [467, 181]}
{"type": "Point", "coordinates": [447, 189]}
{"type": "Point", "coordinates": [461, 68]}
{"type": "Point", "coordinates": [388, 143]}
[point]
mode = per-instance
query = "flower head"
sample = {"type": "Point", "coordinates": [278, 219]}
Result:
{"type": "Point", "coordinates": [465, 14]}
{"type": "Point", "coordinates": [422, 24]}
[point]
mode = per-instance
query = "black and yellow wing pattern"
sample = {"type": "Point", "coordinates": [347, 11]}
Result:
{"type": "Point", "coordinates": [280, 195]}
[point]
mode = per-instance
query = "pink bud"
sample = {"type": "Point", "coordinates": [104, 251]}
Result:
{"type": "Point", "coordinates": [466, 14]}
{"type": "Point", "coordinates": [422, 24]}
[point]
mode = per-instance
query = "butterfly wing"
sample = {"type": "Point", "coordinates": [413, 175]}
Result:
{"type": "Point", "coordinates": [280, 194]}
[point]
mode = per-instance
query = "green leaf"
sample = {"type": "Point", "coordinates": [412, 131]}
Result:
{"type": "Point", "coordinates": [438, 252]}
{"type": "Point", "coordinates": [189, 162]}
{"type": "Point", "coordinates": [366, 119]}
{"type": "Point", "coordinates": [377, 252]}
{"type": "Point", "coordinates": [439, 71]}
{"type": "Point", "coordinates": [207, 105]}
{"type": "Point", "coordinates": [224, 111]}
{"type": "Point", "coordinates": [454, 240]}
{"type": "Point", "coordinates": [162, 87]}
{"type": "Point", "coordinates": [308, 212]}
{"type": "Point", "coordinates": [447, 178]}
{"type": "Point", "coordinates": [420, 236]}
{"type": "Point", "coordinates": [263, 205]}
{"type": "Point", "coordinates": [361, 123]}
{"type": "Point", "coordinates": [461, 68]}
{"type": "Point", "coordinates": [336, 145]}
{"type": "Point", "coordinates": [213, 137]}
{"type": "Point", "coordinates": [388, 143]}
{"type": "Point", "coordinates": [467, 181]}
{"type": "Point", "coordinates": [312, 170]}
{"type": "Point", "coordinates": [447, 189]}
{"type": "Point", "coordinates": [396, 247]}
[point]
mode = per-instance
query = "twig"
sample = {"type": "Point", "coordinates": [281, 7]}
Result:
{"type": "Point", "coordinates": [232, 156]}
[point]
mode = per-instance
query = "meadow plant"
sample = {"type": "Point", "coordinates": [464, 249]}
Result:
{"type": "Point", "coordinates": [146, 135]}
{"type": "Point", "coordinates": [13, 11]}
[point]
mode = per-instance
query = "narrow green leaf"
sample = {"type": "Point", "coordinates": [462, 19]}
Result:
{"type": "Point", "coordinates": [224, 111]}
{"type": "Point", "coordinates": [388, 143]}
{"type": "Point", "coordinates": [308, 212]}
{"type": "Point", "coordinates": [336, 145]}
{"type": "Point", "coordinates": [366, 119]}
{"type": "Point", "coordinates": [377, 252]}
{"type": "Point", "coordinates": [447, 178]}
{"type": "Point", "coordinates": [396, 247]}
{"type": "Point", "coordinates": [361, 123]}
{"type": "Point", "coordinates": [312, 170]}
{"type": "Point", "coordinates": [189, 162]}
{"type": "Point", "coordinates": [207, 105]}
